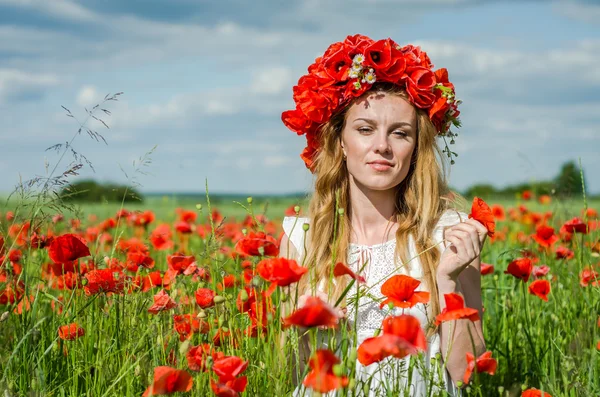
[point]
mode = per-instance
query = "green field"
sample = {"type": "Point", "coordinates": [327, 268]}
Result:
{"type": "Point", "coordinates": [547, 345]}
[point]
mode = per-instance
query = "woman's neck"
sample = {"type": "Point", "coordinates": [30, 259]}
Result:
{"type": "Point", "coordinates": [372, 215]}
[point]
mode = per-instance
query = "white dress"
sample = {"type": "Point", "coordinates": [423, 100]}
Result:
{"type": "Point", "coordinates": [428, 378]}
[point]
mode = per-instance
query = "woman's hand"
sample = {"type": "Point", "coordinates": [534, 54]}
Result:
{"type": "Point", "coordinates": [466, 240]}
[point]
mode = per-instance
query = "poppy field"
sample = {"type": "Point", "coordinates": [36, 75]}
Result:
{"type": "Point", "coordinates": [196, 300]}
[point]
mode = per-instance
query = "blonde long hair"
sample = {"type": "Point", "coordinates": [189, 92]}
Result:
{"type": "Point", "coordinates": [419, 204]}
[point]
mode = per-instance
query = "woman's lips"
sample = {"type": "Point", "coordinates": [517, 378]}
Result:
{"type": "Point", "coordinates": [380, 167]}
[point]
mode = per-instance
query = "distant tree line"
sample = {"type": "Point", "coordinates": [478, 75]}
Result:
{"type": "Point", "coordinates": [566, 184]}
{"type": "Point", "coordinates": [91, 191]}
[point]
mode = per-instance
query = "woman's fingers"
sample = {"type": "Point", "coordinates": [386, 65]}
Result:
{"type": "Point", "coordinates": [463, 241]}
{"type": "Point", "coordinates": [472, 233]}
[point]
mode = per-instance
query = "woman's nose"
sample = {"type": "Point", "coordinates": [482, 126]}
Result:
{"type": "Point", "coordinates": [382, 143]}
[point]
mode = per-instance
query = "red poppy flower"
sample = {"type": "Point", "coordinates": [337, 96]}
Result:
{"type": "Point", "coordinates": [280, 272]}
{"type": "Point", "coordinates": [341, 269]}
{"type": "Point", "coordinates": [533, 392]}
{"type": "Point", "coordinates": [540, 288]}
{"type": "Point", "coordinates": [187, 324]}
{"type": "Point", "coordinates": [197, 357]}
{"type": "Point", "coordinates": [575, 225]}
{"type": "Point", "coordinates": [70, 332]}
{"type": "Point", "coordinates": [11, 291]}
{"type": "Point", "coordinates": [142, 218]}
{"type": "Point", "coordinates": [527, 195]}
{"type": "Point", "coordinates": [484, 363]}
{"type": "Point", "coordinates": [205, 297]}
{"type": "Point", "coordinates": [104, 280]}
{"type": "Point", "coordinates": [137, 258]}
{"type": "Point", "coordinates": [314, 313]}
{"type": "Point", "coordinates": [229, 367]}
{"type": "Point", "coordinates": [321, 377]}
{"type": "Point", "coordinates": [162, 301]}
{"type": "Point", "coordinates": [231, 388]}
{"type": "Point", "coordinates": [564, 253]}
{"type": "Point", "coordinates": [589, 276]}
{"type": "Point", "coordinates": [402, 335]}
{"type": "Point", "coordinates": [254, 243]}
{"type": "Point", "coordinates": [169, 380]}
{"type": "Point", "coordinates": [486, 269]}
{"type": "Point", "coordinates": [498, 212]}
{"type": "Point", "coordinates": [400, 290]}
{"type": "Point", "coordinates": [540, 271]}
{"type": "Point", "coordinates": [520, 268]}
{"type": "Point", "coordinates": [67, 248]}
{"type": "Point", "coordinates": [258, 305]}
{"type": "Point", "coordinates": [482, 213]}
{"type": "Point", "coordinates": [455, 309]}
{"type": "Point", "coordinates": [188, 216]}
{"type": "Point", "coordinates": [544, 236]}
{"type": "Point", "coordinates": [161, 237]}
{"type": "Point", "coordinates": [183, 227]}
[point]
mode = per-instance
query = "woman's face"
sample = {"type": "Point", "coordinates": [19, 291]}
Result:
{"type": "Point", "coordinates": [378, 139]}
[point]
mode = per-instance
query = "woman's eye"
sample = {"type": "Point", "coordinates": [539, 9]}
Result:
{"type": "Point", "coordinates": [401, 133]}
{"type": "Point", "coordinates": [364, 129]}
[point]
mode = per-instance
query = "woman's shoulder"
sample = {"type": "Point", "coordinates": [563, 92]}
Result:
{"type": "Point", "coordinates": [451, 217]}
{"type": "Point", "coordinates": [292, 227]}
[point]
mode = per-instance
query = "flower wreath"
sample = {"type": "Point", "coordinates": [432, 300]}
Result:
{"type": "Point", "coordinates": [348, 69]}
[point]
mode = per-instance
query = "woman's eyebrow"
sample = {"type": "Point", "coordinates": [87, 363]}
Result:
{"type": "Point", "coordinates": [393, 125]}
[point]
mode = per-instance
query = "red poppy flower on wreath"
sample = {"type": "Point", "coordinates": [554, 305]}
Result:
{"type": "Point", "coordinates": [400, 291]}
{"type": "Point", "coordinates": [314, 313]}
{"type": "Point", "coordinates": [575, 225]}
{"type": "Point", "coordinates": [321, 377]}
{"type": "Point", "coordinates": [70, 332]}
{"type": "Point", "coordinates": [455, 309]}
{"type": "Point", "coordinates": [162, 301]}
{"type": "Point", "coordinates": [520, 268]}
{"type": "Point", "coordinates": [341, 269]}
{"type": "Point", "coordinates": [533, 392]}
{"type": "Point", "coordinates": [169, 380]}
{"type": "Point", "coordinates": [67, 248]}
{"type": "Point", "coordinates": [482, 213]}
{"type": "Point", "coordinates": [257, 244]}
{"type": "Point", "coordinates": [540, 288]}
{"type": "Point", "coordinates": [544, 236]}
{"type": "Point", "coordinates": [484, 363]}
{"type": "Point", "coordinates": [280, 272]}
{"type": "Point", "coordinates": [402, 335]}
{"type": "Point", "coordinates": [348, 69]}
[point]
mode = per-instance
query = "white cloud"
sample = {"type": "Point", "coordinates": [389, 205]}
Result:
{"type": "Point", "coordinates": [275, 161]}
{"type": "Point", "coordinates": [577, 10]}
{"type": "Point", "coordinates": [62, 9]}
{"type": "Point", "coordinates": [88, 96]}
{"type": "Point", "coordinates": [14, 83]}
{"type": "Point", "coordinates": [271, 80]}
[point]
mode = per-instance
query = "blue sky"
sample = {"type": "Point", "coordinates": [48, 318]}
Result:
{"type": "Point", "coordinates": [206, 82]}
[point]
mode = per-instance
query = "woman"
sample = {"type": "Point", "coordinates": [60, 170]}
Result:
{"type": "Point", "coordinates": [371, 111]}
